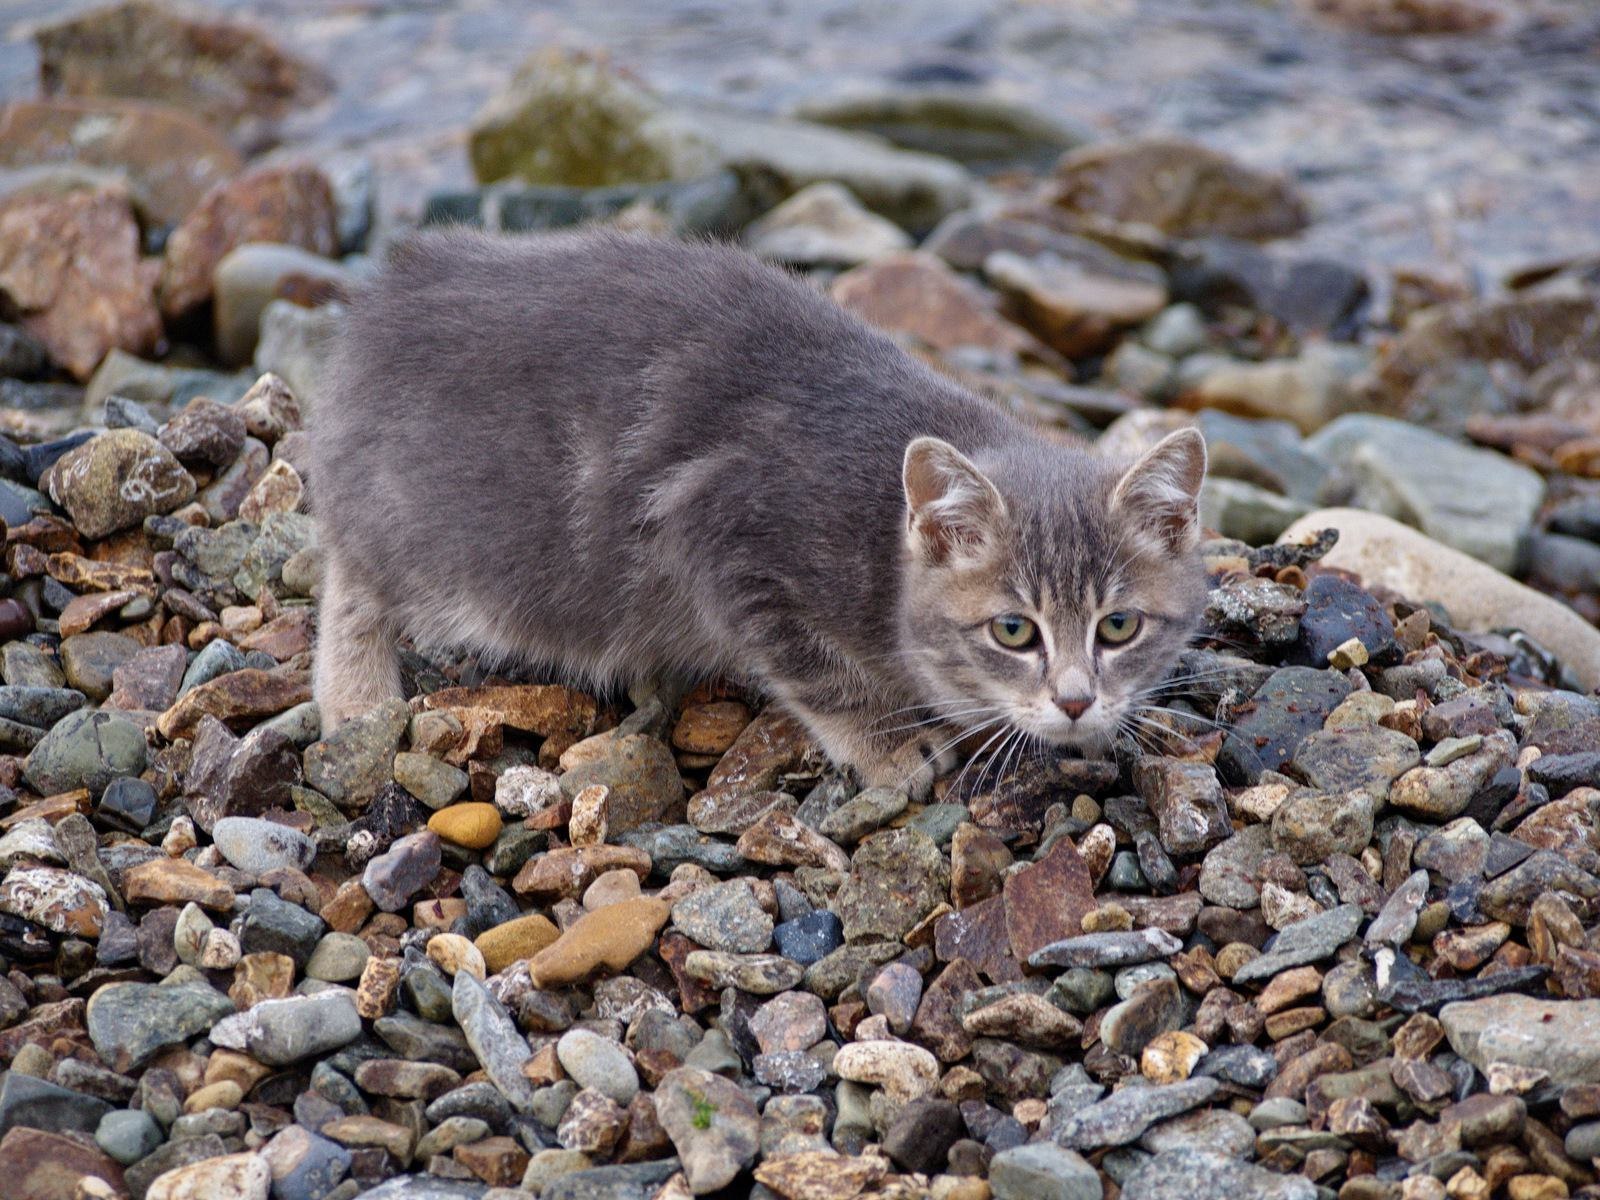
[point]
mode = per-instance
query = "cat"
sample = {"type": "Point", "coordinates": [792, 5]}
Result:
{"type": "Point", "coordinates": [636, 458]}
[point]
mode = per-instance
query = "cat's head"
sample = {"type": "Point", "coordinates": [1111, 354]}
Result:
{"type": "Point", "coordinates": [1047, 589]}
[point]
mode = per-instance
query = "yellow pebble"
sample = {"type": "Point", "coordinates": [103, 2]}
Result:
{"type": "Point", "coordinates": [453, 953]}
{"type": "Point", "coordinates": [472, 825]}
{"type": "Point", "coordinates": [514, 940]}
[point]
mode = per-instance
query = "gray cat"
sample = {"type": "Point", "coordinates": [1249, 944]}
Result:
{"type": "Point", "coordinates": [630, 458]}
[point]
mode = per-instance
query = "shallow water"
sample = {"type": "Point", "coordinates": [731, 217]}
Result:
{"type": "Point", "coordinates": [1479, 150]}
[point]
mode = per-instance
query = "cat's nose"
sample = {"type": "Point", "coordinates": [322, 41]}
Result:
{"type": "Point", "coordinates": [1074, 706]}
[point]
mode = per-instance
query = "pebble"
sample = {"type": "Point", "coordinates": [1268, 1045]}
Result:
{"type": "Point", "coordinates": [596, 1062]}
{"type": "Point", "coordinates": [713, 1124]}
{"type": "Point", "coordinates": [256, 846]}
{"type": "Point", "coordinates": [724, 916]}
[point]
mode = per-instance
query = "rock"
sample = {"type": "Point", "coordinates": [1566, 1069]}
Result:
{"type": "Point", "coordinates": [433, 782]}
{"type": "Point", "coordinates": [906, 1072]}
{"type": "Point", "coordinates": [1305, 941]}
{"type": "Point", "coordinates": [1186, 799]}
{"type": "Point", "coordinates": [1308, 295]}
{"type": "Point", "coordinates": [1178, 188]}
{"type": "Point", "coordinates": [1042, 1171]}
{"type": "Point", "coordinates": [1154, 1007]}
{"type": "Point", "coordinates": [280, 1032]}
{"type": "Point", "coordinates": [175, 881]}
{"type": "Point", "coordinates": [713, 1125]}
{"type": "Point", "coordinates": [304, 1166]}
{"type": "Point", "coordinates": [1124, 1115]}
{"type": "Point", "coordinates": [338, 958]}
{"type": "Point", "coordinates": [356, 759]}
{"type": "Point", "coordinates": [1047, 900]}
{"type": "Point", "coordinates": [288, 205]}
{"type": "Point", "coordinates": [149, 680]}
{"type": "Point", "coordinates": [1074, 309]}
{"type": "Point", "coordinates": [61, 901]}
{"type": "Point", "coordinates": [129, 1022]}
{"type": "Point", "coordinates": [70, 267]}
{"type": "Point", "coordinates": [90, 660]}
{"type": "Point", "coordinates": [1309, 390]}
{"type": "Point", "coordinates": [1528, 1031]}
{"type": "Point", "coordinates": [253, 275]}
{"type": "Point", "coordinates": [1386, 554]}
{"type": "Point", "coordinates": [294, 345]}
{"type": "Point", "coordinates": [1441, 793]}
{"type": "Point", "coordinates": [1310, 826]}
{"type": "Point", "coordinates": [116, 479]}
{"type": "Point", "coordinates": [137, 143]}
{"type": "Point", "coordinates": [642, 777]}
{"type": "Point", "coordinates": [1199, 1174]}
{"type": "Point", "coordinates": [235, 1176]}
{"type": "Point", "coordinates": [473, 825]}
{"type": "Point", "coordinates": [1476, 501]}
{"type": "Point", "coordinates": [916, 294]}
{"type": "Point", "coordinates": [823, 225]}
{"type": "Point", "coordinates": [520, 938]}
{"type": "Point", "coordinates": [818, 1174]}
{"type": "Point", "coordinates": [85, 749]}
{"type": "Point", "coordinates": [39, 1165]}
{"type": "Point", "coordinates": [127, 1135]}
{"type": "Point", "coordinates": [494, 1039]}
{"type": "Point", "coordinates": [1110, 949]}
{"type": "Point", "coordinates": [395, 876]}
{"type": "Point", "coordinates": [896, 879]}
{"type": "Point", "coordinates": [599, 1063]}
{"type": "Point", "coordinates": [809, 938]}
{"type": "Point", "coordinates": [1289, 706]}
{"type": "Point", "coordinates": [1363, 758]}
{"type": "Point", "coordinates": [724, 916]}
{"type": "Point", "coordinates": [257, 846]}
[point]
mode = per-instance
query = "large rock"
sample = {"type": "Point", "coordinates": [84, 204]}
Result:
{"type": "Point", "coordinates": [1196, 1174]}
{"type": "Point", "coordinates": [86, 749]}
{"type": "Point", "coordinates": [713, 1125]}
{"type": "Point", "coordinates": [1477, 501]}
{"type": "Point", "coordinates": [70, 266]}
{"type": "Point", "coordinates": [291, 205]}
{"type": "Point", "coordinates": [152, 51]}
{"type": "Point", "coordinates": [1386, 554]}
{"type": "Point", "coordinates": [116, 480]}
{"type": "Point", "coordinates": [1556, 1036]}
{"type": "Point", "coordinates": [167, 159]}
{"type": "Point", "coordinates": [129, 1022]}
{"type": "Point", "coordinates": [1178, 188]}
{"type": "Point", "coordinates": [574, 120]}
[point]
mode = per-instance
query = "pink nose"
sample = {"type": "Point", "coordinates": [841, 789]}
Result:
{"type": "Point", "coordinates": [1074, 706]}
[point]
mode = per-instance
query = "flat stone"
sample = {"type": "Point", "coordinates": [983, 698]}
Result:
{"type": "Point", "coordinates": [1042, 1171]}
{"type": "Point", "coordinates": [713, 1125]}
{"type": "Point", "coordinates": [1198, 1174]}
{"type": "Point", "coordinates": [1290, 706]}
{"type": "Point", "coordinates": [129, 1022]}
{"type": "Point", "coordinates": [500, 1049]}
{"type": "Point", "coordinates": [1109, 949]}
{"type": "Point", "coordinates": [257, 846]}
{"type": "Point", "coordinates": [1303, 942]}
{"type": "Point", "coordinates": [1123, 1116]}
{"type": "Point", "coordinates": [1555, 1036]}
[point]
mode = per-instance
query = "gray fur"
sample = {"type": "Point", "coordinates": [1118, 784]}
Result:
{"type": "Point", "coordinates": [624, 457]}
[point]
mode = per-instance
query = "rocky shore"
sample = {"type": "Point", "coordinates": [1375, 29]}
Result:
{"type": "Point", "coordinates": [1329, 927]}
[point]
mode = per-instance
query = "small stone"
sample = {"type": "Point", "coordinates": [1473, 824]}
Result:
{"type": "Point", "coordinates": [1123, 1116]}
{"type": "Point", "coordinates": [598, 1063]}
{"type": "Point", "coordinates": [714, 1126]}
{"type": "Point", "coordinates": [494, 1039]}
{"type": "Point", "coordinates": [454, 953]}
{"type": "Point", "coordinates": [433, 782]}
{"type": "Point", "coordinates": [1172, 1056]}
{"type": "Point", "coordinates": [394, 877]}
{"type": "Point", "coordinates": [906, 1072]}
{"type": "Point", "coordinates": [290, 1030]}
{"type": "Point", "coordinates": [512, 941]}
{"type": "Point", "coordinates": [235, 1176]}
{"type": "Point", "coordinates": [473, 825]}
{"type": "Point", "coordinates": [1305, 941]}
{"type": "Point", "coordinates": [257, 846]}
{"type": "Point", "coordinates": [724, 916]}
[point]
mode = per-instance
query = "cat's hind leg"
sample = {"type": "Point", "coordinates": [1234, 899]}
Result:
{"type": "Point", "coordinates": [357, 662]}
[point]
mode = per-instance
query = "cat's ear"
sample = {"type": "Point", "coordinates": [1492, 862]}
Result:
{"type": "Point", "coordinates": [952, 510]}
{"type": "Point", "coordinates": [1161, 491]}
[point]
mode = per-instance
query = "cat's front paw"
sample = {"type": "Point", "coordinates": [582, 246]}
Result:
{"type": "Point", "coordinates": [909, 769]}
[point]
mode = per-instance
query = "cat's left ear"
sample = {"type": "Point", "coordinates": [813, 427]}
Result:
{"type": "Point", "coordinates": [1161, 491]}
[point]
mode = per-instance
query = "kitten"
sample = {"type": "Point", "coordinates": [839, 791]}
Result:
{"type": "Point", "coordinates": [630, 458]}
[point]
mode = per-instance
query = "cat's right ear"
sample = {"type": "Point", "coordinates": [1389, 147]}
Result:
{"type": "Point", "coordinates": [953, 512]}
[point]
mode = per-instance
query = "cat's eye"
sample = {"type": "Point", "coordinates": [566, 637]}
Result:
{"type": "Point", "coordinates": [1115, 628]}
{"type": "Point", "coordinates": [1014, 631]}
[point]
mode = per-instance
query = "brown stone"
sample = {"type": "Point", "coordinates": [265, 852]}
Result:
{"type": "Point", "coordinates": [240, 698]}
{"type": "Point", "coordinates": [610, 937]}
{"type": "Point", "coordinates": [283, 637]}
{"type": "Point", "coordinates": [978, 862]}
{"type": "Point", "coordinates": [175, 881]}
{"type": "Point", "coordinates": [62, 901]}
{"type": "Point", "coordinates": [1073, 309]}
{"type": "Point", "coordinates": [978, 933]}
{"type": "Point", "coordinates": [674, 950]}
{"type": "Point", "coordinates": [820, 1175]}
{"type": "Point", "coordinates": [1178, 188]}
{"type": "Point", "coordinates": [82, 612]}
{"type": "Point", "coordinates": [398, 1140]}
{"type": "Point", "coordinates": [937, 1024]}
{"type": "Point", "coordinates": [228, 70]}
{"type": "Point", "coordinates": [143, 143]}
{"type": "Point", "coordinates": [569, 870]}
{"type": "Point", "coordinates": [498, 1161]}
{"type": "Point", "coordinates": [39, 1165]}
{"type": "Point", "coordinates": [94, 575]}
{"type": "Point", "coordinates": [710, 728]}
{"type": "Point", "coordinates": [291, 205]}
{"type": "Point", "coordinates": [380, 983]}
{"type": "Point", "coordinates": [1046, 901]}
{"type": "Point", "coordinates": [70, 266]}
{"type": "Point", "coordinates": [779, 840]}
{"type": "Point", "coordinates": [915, 293]}
{"type": "Point", "coordinates": [46, 1024]}
{"type": "Point", "coordinates": [543, 709]}
{"type": "Point", "coordinates": [514, 940]}
{"type": "Point", "coordinates": [263, 976]}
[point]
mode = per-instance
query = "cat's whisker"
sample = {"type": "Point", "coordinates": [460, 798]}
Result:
{"type": "Point", "coordinates": [955, 788]}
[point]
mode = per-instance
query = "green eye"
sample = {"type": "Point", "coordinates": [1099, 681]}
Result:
{"type": "Point", "coordinates": [1014, 631]}
{"type": "Point", "coordinates": [1115, 628]}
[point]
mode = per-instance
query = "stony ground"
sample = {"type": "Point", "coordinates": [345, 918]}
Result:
{"type": "Point", "coordinates": [1328, 927]}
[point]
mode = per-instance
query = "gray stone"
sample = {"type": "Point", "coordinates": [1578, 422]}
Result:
{"type": "Point", "coordinates": [1305, 941]}
{"type": "Point", "coordinates": [1123, 1116]}
{"type": "Point", "coordinates": [1194, 1174]}
{"type": "Point", "coordinates": [1290, 706]}
{"type": "Point", "coordinates": [713, 1125]}
{"type": "Point", "coordinates": [724, 916]}
{"type": "Point", "coordinates": [40, 707]}
{"type": "Point", "coordinates": [355, 760]}
{"type": "Point", "coordinates": [86, 749]}
{"type": "Point", "coordinates": [36, 1104]}
{"type": "Point", "coordinates": [1229, 873]}
{"type": "Point", "coordinates": [127, 1135]}
{"type": "Point", "coordinates": [129, 1022]}
{"type": "Point", "coordinates": [1474, 500]}
{"type": "Point", "coordinates": [1108, 949]}
{"type": "Point", "coordinates": [293, 1029]}
{"type": "Point", "coordinates": [494, 1039]}
{"type": "Point", "coordinates": [1367, 758]}
{"type": "Point", "coordinates": [304, 1166]}
{"type": "Point", "coordinates": [1042, 1171]}
{"type": "Point", "coordinates": [256, 846]}
{"type": "Point", "coordinates": [1555, 1036]}
{"type": "Point", "coordinates": [599, 1063]}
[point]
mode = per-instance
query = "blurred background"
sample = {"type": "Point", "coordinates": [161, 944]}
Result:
{"type": "Point", "coordinates": [1357, 240]}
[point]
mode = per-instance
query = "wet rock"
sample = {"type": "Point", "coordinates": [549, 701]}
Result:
{"type": "Point", "coordinates": [288, 205]}
{"type": "Point", "coordinates": [1287, 708]}
{"type": "Point", "coordinates": [1179, 188]}
{"type": "Point", "coordinates": [1476, 501]}
{"type": "Point", "coordinates": [91, 293]}
{"type": "Point", "coordinates": [823, 225]}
